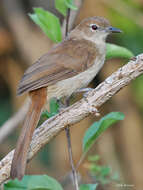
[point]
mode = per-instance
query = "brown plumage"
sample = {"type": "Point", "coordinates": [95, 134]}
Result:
{"type": "Point", "coordinates": [69, 66]}
{"type": "Point", "coordinates": [59, 64]}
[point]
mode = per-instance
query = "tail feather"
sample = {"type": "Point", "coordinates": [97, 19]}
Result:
{"type": "Point", "coordinates": [38, 99]}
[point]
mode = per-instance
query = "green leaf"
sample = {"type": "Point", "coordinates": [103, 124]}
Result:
{"type": "Point", "coordinates": [93, 158]}
{"type": "Point", "coordinates": [69, 4]}
{"type": "Point", "coordinates": [48, 22]}
{"type": "Point", "coordinates": [54, 109]}
{"type": "Point", "coordinates": [95, 168]}
{"type": "Point", "coordinates": [46, 114]}
{"type": "Point", "coordinates": [43, 182]}
{"type": "Point", "coordinates": [114, 51]}
{"type": "Point", "coordinates": [97, 128]}
{"type": "Point", "coordinates": [105, 171]}
{"type": "Point", "coordinates": [61, 6]}
{"type": "Point", "coordinates": [16, 184]}
{"type": "Point", "coordinates": [54, 106]}
{"type": "Point", "coordinates": [88, 186]}
{"type": "Point", "coordinates": [35, 182]}
{"type": "Point", "coordinates": [35, 18]}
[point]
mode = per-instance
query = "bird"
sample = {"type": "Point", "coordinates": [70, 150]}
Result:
{"type": "Point", "coordinates": [69, 66]}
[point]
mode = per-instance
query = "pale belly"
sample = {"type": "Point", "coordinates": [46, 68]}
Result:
{"type": "Point", "coordinates": [65, 88]}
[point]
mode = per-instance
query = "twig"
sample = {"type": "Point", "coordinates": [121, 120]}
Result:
{"type": "Point", "coordinates": [73, 16]}
{"type": "Point", "coordinates": [67, 22]}
{"type": "Point", "coordinates": [78, 111]}
{"type": "Point", "coordinates": [74, 173]}
{"type": "Point", "coordinates": [67, 129]}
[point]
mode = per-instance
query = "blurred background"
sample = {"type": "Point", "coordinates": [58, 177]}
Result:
{"type": "Point", "coordinates": [121, 146]}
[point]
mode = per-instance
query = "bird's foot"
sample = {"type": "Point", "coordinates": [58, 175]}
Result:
{"type": "Point", "coordinates": [84, 90]}
{"type": "Point", "coordinates": [93, 110]}
{"type": "Point", "coordinates": [63, 103]}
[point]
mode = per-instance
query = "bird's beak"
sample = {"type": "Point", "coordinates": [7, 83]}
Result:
{"type": "Point", "coordinates": [113, 30]}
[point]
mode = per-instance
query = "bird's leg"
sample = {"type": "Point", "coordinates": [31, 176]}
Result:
{"type": "Point", "coordinates": [67, 129]}
{"type": "Point", "coordinates": [85, 91]}
{"type": "Point", "coordinates": [62, 104]}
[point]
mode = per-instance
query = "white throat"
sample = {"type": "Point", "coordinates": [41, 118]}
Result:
{"type": "Point", "coordinates": [99, 40]}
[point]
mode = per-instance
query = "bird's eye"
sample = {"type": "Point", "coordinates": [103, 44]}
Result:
{"type": "Point", "coordinates": [94, 27]}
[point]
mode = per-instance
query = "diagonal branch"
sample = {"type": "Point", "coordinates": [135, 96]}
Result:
{"type": "Point", "coordinates": [78, 111]}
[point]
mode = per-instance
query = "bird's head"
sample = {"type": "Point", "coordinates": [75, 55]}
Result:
{"type": "Point", "coordinates": [95, 29]}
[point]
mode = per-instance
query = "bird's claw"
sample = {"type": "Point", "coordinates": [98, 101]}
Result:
{"type": "Point", "coordinates": [94, 110]}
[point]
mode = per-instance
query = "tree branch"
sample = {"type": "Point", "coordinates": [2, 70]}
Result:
{"type": "Point", "coordinates": [78, 111]}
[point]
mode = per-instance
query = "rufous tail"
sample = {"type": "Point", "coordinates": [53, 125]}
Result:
{"type": "Point", "coordinates": [38, 99]}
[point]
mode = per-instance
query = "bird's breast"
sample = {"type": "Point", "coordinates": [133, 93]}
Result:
{"type": "Point", "coordinates": [67, 87]}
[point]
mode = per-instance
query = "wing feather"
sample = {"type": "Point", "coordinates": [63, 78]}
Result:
{"type": "Point", "coordinates": [59, 64]}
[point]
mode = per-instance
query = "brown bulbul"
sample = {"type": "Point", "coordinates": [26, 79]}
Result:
{"type": "Point", "coordinates": [67, 67]}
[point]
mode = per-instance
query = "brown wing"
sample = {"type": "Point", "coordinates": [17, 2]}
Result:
{"type": "Point", "coordinates": [64, 61]}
